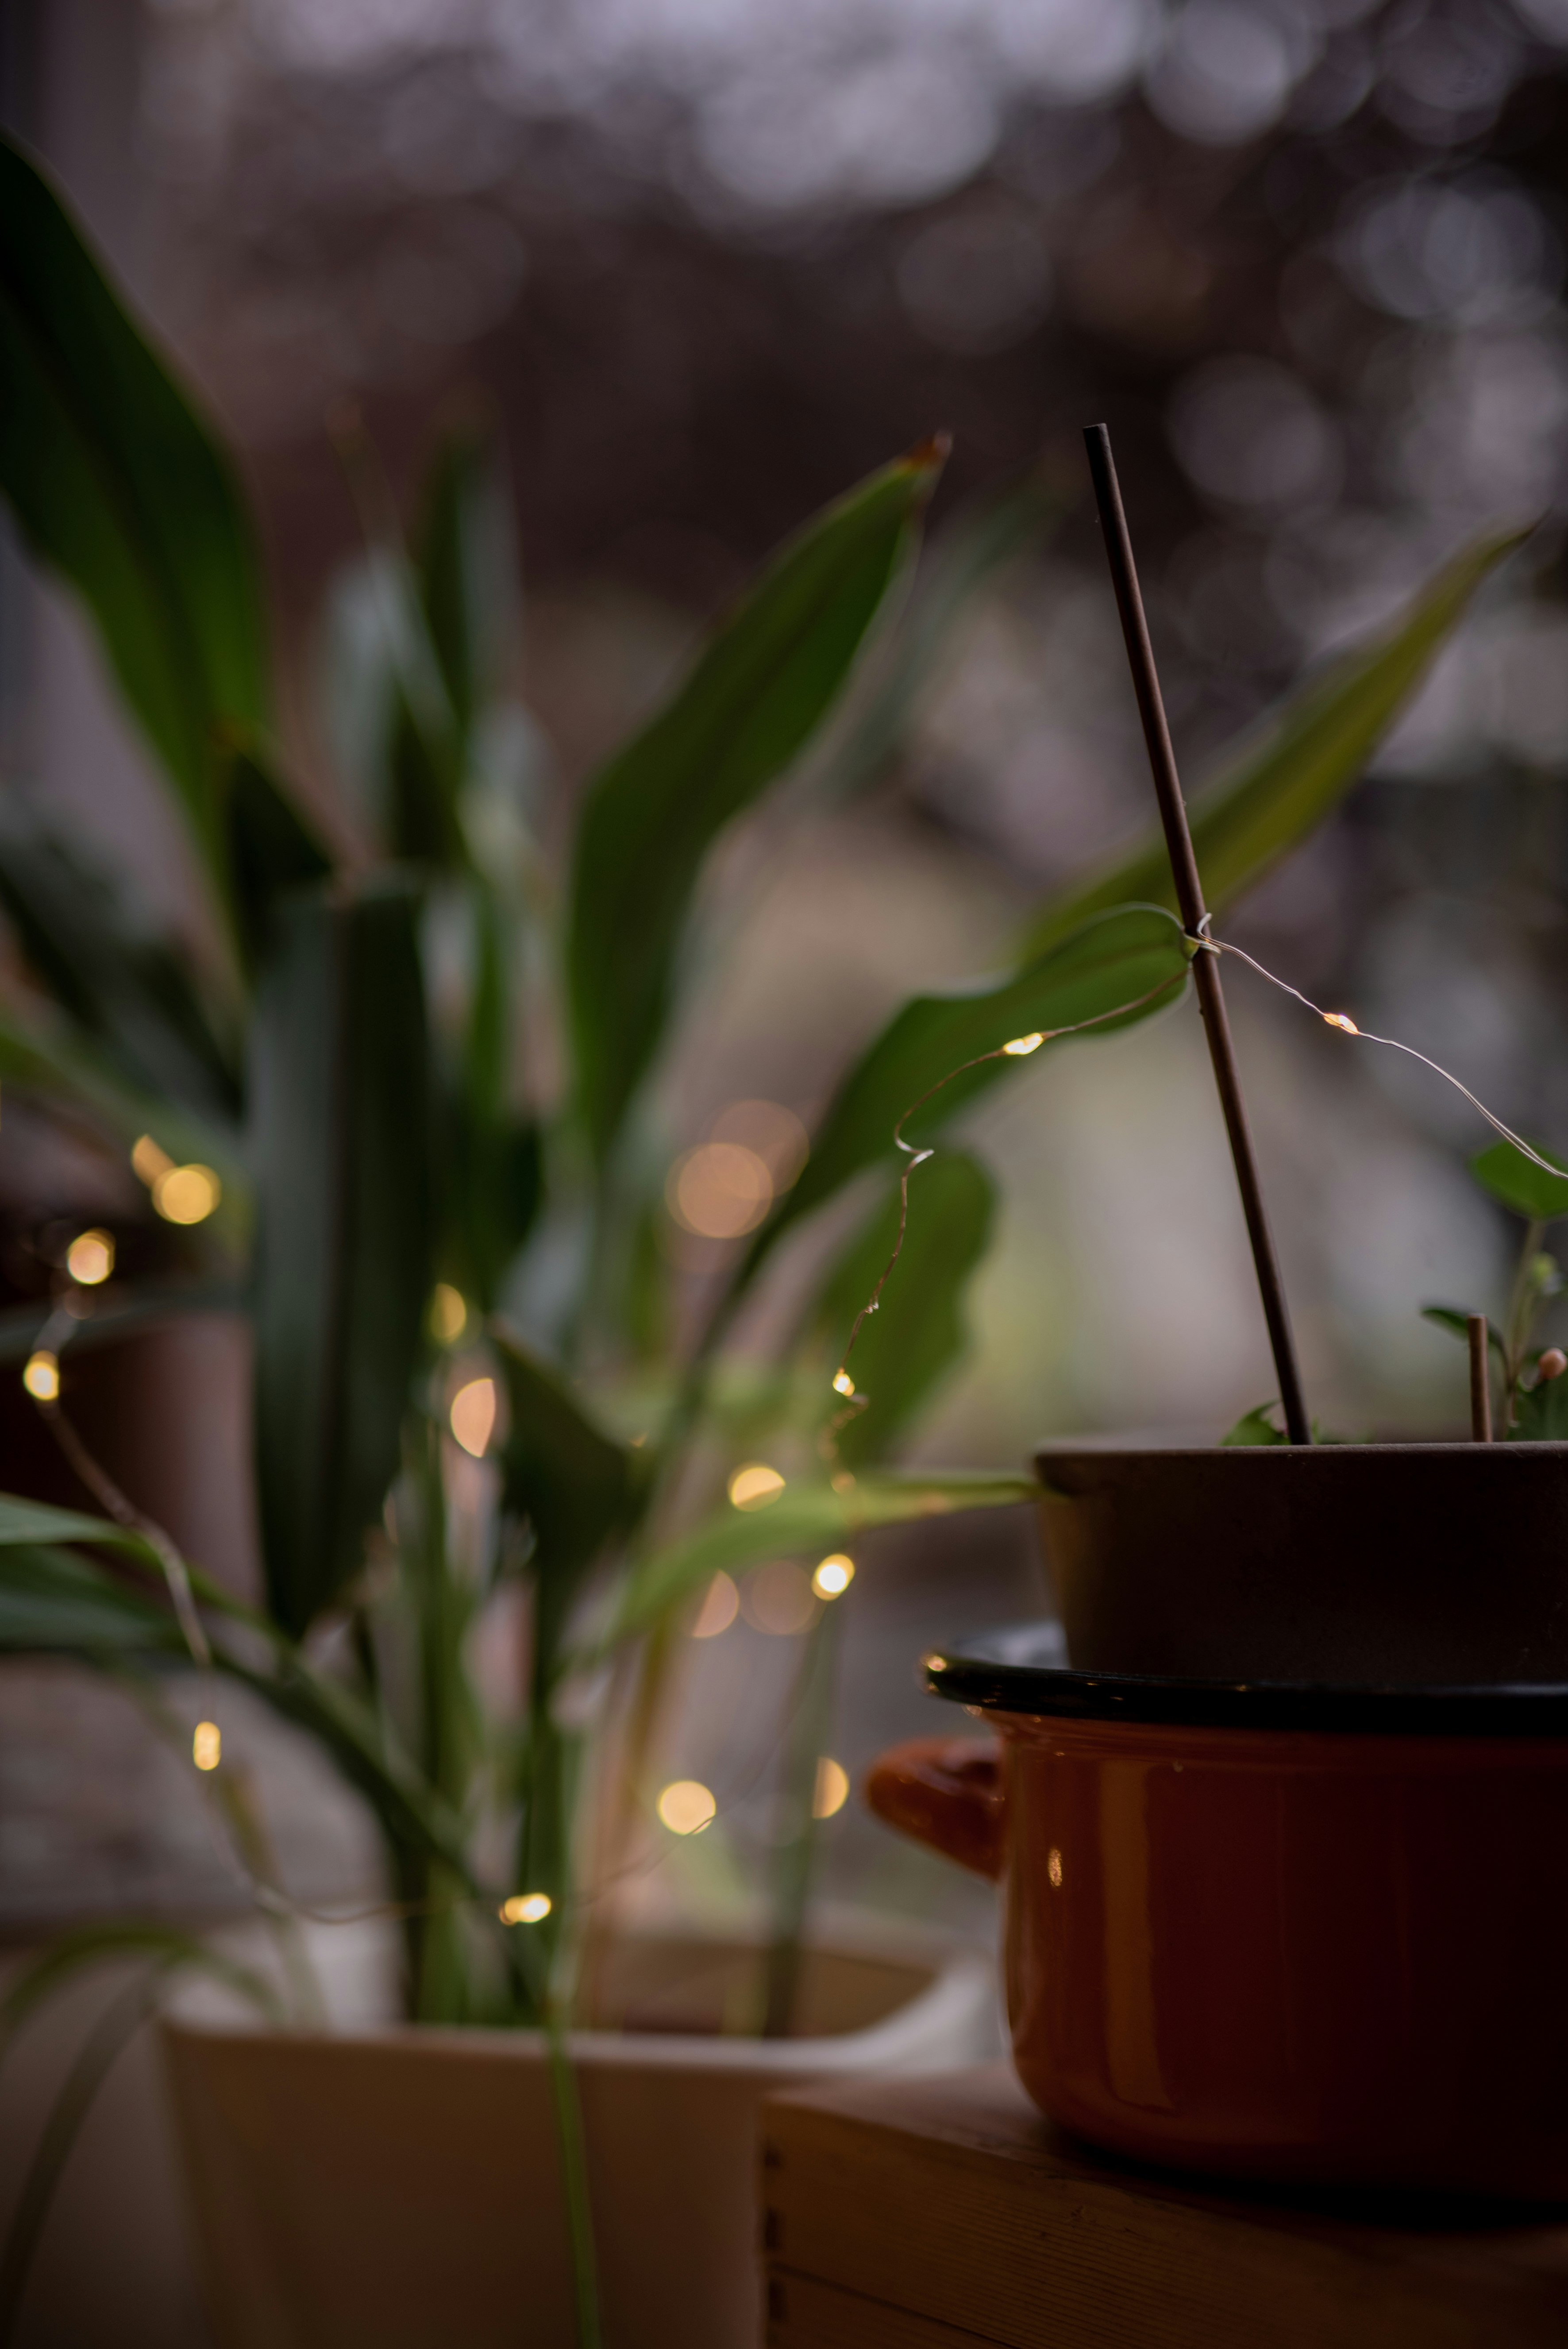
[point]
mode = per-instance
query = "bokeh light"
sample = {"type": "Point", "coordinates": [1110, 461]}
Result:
{"type": "Point", "coordinates": [719, 1190]}
{"type": "Point", "coordinates": [754, 1485]}
{"type": "Point", "coordinates": [778, 1598]}
{"type": "Point", "coordinates": [90, 1258]}
{"type": "Point", "coordinates": [687, 1806]}
{"type": "Point", "coordinates": [720, 1606]}
{"type": "Point", "coordinates": [473, 1416]}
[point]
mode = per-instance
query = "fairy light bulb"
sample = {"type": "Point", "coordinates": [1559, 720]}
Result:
{"type": "Point", "coordinates": [526, 1909]}
{"type": "Point", "coordinates": [89, 1259]}
{"type": "Point", "coordinates": [842, 1383]}
{"type": "Point", "coordinates": [42, 1376]}
{"type": "Point", "coordinates": [834, 1576]}
{"type": "Point", "coordinates": [1020, 1047]}
{"type": "Point", "coordinates": [207, 1745]}
{"type": "Point", "coordinates": [1341, 1019]}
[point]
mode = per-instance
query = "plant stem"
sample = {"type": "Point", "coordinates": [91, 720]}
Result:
{"type": "Point", "coordinates": [812, 1718]}
{"type": "Point", "coordinates": [1523, 1305]}
{"type": "Point", "coordinates": [573, 2176]}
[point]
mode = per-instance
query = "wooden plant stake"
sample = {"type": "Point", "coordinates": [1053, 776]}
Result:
{"type": "Point", "coordinates": [1194, 915]}
{"type": "Point", "coordinates": [1480, 1379]}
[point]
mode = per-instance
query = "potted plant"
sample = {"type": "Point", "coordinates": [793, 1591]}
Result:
{"type": "Point", "coordinates": [439, 1270]}
{"type": "Point", "coordinates": [1276, 1799]}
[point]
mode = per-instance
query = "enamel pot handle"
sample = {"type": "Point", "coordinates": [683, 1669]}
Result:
{"type": "Point", "coordinates": [946, 1791]}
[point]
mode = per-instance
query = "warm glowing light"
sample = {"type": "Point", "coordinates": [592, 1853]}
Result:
{"type": "Point", "coordinates": [720, 1606]}
{"type": "Point", "coordinates": [834, 1576]}
{"type": "Point", "coordinates": [473, 1416]}
{"type": "Point", "coordinates": [149, 1161]}
{"type": "Point", "coordinates": [90, 1258]}
{"type": "Point", "coordinates": [186, 1194]}
{"type": "Point", "coordinates": [41, 1377]}
{"type": "Point", "coordinates": [207, 1745]}
{"type": "Point", "coordinates": [687, 1807]}
{"type": "Point", "coordinates": [842, 1383]}
{"type": "Point", "coordinates": [719, 1190]}
{"type": "Point", "coordinates": [1341, 1019]}
{"type": "Point", "coordinates": [773, 1131]}
{"type": "Point", "coordinates": [526, 1909]}
{"type": "Point", "coordinates": [1054, 1868]}
{"type": "Point", "coordinates": [832, 1790]}
{"type": "Point", "coordinates": [778, 1597]}
{"type": "Point", "coordinates": [1021, 1046]}
{"type": "Point", "coordinates": [449, 1313]}
{"type": "Point", "coordinates": [753, 1487]}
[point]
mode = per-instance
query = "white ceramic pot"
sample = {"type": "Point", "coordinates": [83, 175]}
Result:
{"type": "Point", "coordinates": [402, 2189]}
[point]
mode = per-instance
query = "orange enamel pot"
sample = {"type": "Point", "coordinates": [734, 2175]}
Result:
{"type": "Point", "coordinates": [1303, 1934]}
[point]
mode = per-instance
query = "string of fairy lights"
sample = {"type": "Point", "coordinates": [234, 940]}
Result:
{"type": "Point", "coordinates": [188, 1193]}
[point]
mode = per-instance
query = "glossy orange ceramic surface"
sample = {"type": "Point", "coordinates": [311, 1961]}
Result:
{"type": "Point", "coordinates": [1296, 1955]}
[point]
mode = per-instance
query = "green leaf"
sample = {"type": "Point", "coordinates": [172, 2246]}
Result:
{"type": "Point", "coordinates": [271, 848]}
{"type": "Point", "coordinates": [72, 1953]}
{"type": "Point", "coordinates": [1257, 1426]}
{"type": "Point", "coordinates": [917, 1331]}
{"type": "Point", "coordinates": [1278, 784]}
{"type": "Point", "coordinates": [345, 1229]}
{"type": "Point", "coordinates": [466, 569]}
{"type": "Point", "coordinates": [978, 543]}
{"type": "Point", "coordinates": [1528, 1189]}
{"type": "Point", "coordinates": [132, 993]}
{"type": "Point", "coordinates": [802, 1518]}
{"type": "Point", "coordinates": [119, 487]}
{"type": "Point", "coordinates": [1113, 959]}
{"type": "Point", "coordinates": [575, 1484]}
{"type": "Point", "coordinates": [1541, 1412]}
{"type": "Point", "coordinates": [1456, 1321]}
{"type": "Point", "coordinates": [760, 688]}
{"type": "Point", "coordinates": [53, 1603]}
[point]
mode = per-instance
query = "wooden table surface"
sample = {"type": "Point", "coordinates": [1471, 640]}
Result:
{"type": "Point", "coordinates": [945, 2213]}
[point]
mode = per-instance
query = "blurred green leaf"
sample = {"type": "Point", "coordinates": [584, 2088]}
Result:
{"type": "Point", "coordinates": [1112, 959]}
{"type": "Point", "coordinates": [118, 485]}
{"type": "Point", "coordinates": [271, 848]}
{"type": "Point", "coordinates": [1456, 1321]}
{"type": "Point", "coordinates": [130, 992]}
{"type": "Point", "coordinates": [1528, 1189]}
{"type": "Point", "coordinates": [575, 1484]}
{"type": "Point", "coordinates": [345, 1229]}
{"type": "Point", "coordinates": [1257, 1426]}
{"type": "Point", "coordinates": [963, 558]}
{"type": "Point", "coordinates": [466, 568]}
{"type": "Point", "coordinates": [1278, 784]}
{"type": "Point", "coordinates": [53, 1603]}
{"type": "Point", "coordinates": [759, 689]}
{"type": "Point", "coordinates": [918, 1329]}
{"type": "Point", "coordinates": [73, 1953]}
{"type": "Point", "coordinates": [1541, 1412]}
{"type": "Point", "coordinates": [803, 1517]}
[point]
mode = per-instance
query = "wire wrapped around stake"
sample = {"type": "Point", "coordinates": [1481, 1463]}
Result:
{"type": "Point", "coordinates": [1019, 1048]}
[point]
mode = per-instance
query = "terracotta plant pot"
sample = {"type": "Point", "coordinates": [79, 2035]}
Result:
{"type": "Point", "coordinates": [1279, 1806]}
{"type": "Point", "coordinates": [404, 2187]}
{"type": "Point", "coordinates": [1302, 1935]}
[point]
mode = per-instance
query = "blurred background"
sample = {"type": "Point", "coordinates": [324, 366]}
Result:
{"type": "Point", "coordinates": [707, 261]}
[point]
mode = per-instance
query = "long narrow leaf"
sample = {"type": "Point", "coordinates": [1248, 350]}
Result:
{"type": "Point", "coordinates": [120, 488]}
{"type": "Point", "coordinates": [1281, 782]}
{"type": "Point", "coordinates": [345, 1230]}
{"type": "Point", "coordinates": [757, 694]}
{"type": "Point", "coordinates": [271, 848]}
{"type": "Point", "coordinates": [1135, 957]}
{"type": "Point", "coordinates": [130, 992]}
{"type": "Point", "coordinates": [799, 1520]}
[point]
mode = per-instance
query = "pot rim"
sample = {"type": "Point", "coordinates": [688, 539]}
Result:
{"type": "Point", "coordinates": [1110, 1447]}
{"type": "Point", "coordinates": [1020, 1669]}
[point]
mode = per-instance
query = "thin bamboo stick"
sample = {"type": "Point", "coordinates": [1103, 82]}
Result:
{"type": "Point", "coordinates": [1194, 914]}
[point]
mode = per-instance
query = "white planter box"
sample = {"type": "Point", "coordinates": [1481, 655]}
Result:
{"type": "Point", "coordinates": [402, 2187]}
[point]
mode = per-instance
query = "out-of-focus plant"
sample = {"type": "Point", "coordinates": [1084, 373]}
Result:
{"type": "Point", "coordinates": [1534, 1391]}
{"type": "Point", "coordinates": [443, 1256]}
